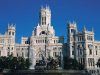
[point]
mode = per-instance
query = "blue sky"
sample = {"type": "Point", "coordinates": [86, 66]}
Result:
{"type": "Point", "coordinates": [25, 14]}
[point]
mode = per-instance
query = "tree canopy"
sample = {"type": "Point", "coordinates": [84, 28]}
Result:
{"type": "Point", "coordinates": [73, 64]}
{"type": "Point", "coordinates": [11, 62]}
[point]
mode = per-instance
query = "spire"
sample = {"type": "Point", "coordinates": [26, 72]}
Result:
{"type": "Point", "coordinates": [15, 25]}
{"type": "Point", "coordinates": [41, 7]}
{"type": "Point", "coordinates": [92, 29]}
{"type": "Point", "coordinates": [47, 7]}
{"type": "Point", "coordinates": [38, 24]}
{"type": "Point", "coordinates": [84, 29]}
{"type": "Point", "coordinates": [8, 25]}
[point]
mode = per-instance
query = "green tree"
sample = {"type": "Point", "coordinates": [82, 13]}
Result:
{"type": "Point", "coordinates": [4, 62]}
{"type": "Point", "coordinates": [2, 65]}
{"type": "Point", "coordinates": [70, 63]}
{"type": "Point", "coordinates": [28, 63]}
{"type": "Point", "coordinates": [52, 64]}
{"type": "Point", "coordinates": [14, 63]}
{"type": "Point", "coordinates": [98, 62]}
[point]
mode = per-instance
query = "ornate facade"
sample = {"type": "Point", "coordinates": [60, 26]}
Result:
{"type": "Point", "coordinates": [83, 47]}
{"type": "Point", "coordinates": [7, 42]}
{"type": "Point", "coordinates": [42, 44]}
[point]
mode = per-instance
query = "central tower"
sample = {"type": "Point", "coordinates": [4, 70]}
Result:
{"type": "Point", "coordinates": [45, 16]}
{"type": "Point", "coordinates": [43, 42]}
{"type": "Point", "coordinates": [44, 27]}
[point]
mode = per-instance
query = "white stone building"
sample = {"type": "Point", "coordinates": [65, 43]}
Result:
{"type": "Point", "coordinates": [42, 43]}
{"type": "Point", "coordinates": [83, 47]}
{"type": "Point", "coordinates": [7, 42]}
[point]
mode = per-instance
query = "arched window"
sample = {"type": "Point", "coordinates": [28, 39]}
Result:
{"type": "Point", "coordinates": [43, 32]}
{"type": "Point", "coordinates": [9, 33]}
{"type": "Point", "coordinates": [90, 52]}
{"type": "Point", "coordinates": [96, 52]}
{"type": "Point", "coordinates": [12, 53]}
{"type": "Point", "coordinates": [12, 48]}
{"type": "Point", "coordinates": [13, 33]}
{"type": "Point", "coordinates": [8, 48]}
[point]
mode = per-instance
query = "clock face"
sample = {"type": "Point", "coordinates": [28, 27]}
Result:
{"type": "Point", "coordinates": [43, 13]}
{"type": "Point", "coordinates": [90, 46]}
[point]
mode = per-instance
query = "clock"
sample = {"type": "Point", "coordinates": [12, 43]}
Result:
{"type": "Point", "coordinates": [90, 46]}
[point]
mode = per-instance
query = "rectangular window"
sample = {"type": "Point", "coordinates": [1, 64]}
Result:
{"type": "Point", "coordinates": [36, 41]}
{"type": "Point", "coordinates": [17, 54]}
{"type": "Point", "coordinates": [12, 53]}
{"type": "Point", "coordinates": [12, 33]}
{"type": "Point", "coordinates": [54, 41]}
{"type": "Point", "coordinates": [45, 41]}
{"type": "Point", "coordinates": [89, 61]}
{"type": "Point", "coordinates": [8, 48]}
{"type": "Point", "coordinates": [12, 48]}
{"type": "Point", "coordinates": [27, 42]}
{"type": "Point", "coordinates": [42, 20]}
{"type": "Point", "coordinates": [93, 61]}
{"type": "Point", "coordinates": [72, 52]}
{"type": "Point", "coordinates": [9, 33]}
{"type": "Point", "coordinates": [96, 52]}
{"type": "Point", "coordinates": [90, 52]}
{"type": "Point", "coordinates": [72, 30]}
{"type": "Point", "coordinates": [45, 20]}
{"type": "Point", "coordinates": [91, 38]}
{"type": "Point", "coordinates": [95, 47]}
{"type": "Point", "coordinates": [55, 54]}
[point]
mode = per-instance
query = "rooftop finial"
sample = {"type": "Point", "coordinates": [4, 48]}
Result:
{"type": "Point", "coordinates": [8, 25]}
{"type": "Point", "coordinates": [41, 7]}
{"type": "Point", "coordinates": [15, 25]}
{"type": "Point", "coordinates": [84, 29]}
{"type": "Point", "coordinates": [92, 29]}
{"type": "Point", "coordinates": [46, 6]}
{"type": "Point", "coordinates": [12, 24]}
{"type": "Point", "coordinates": [74, 22]}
